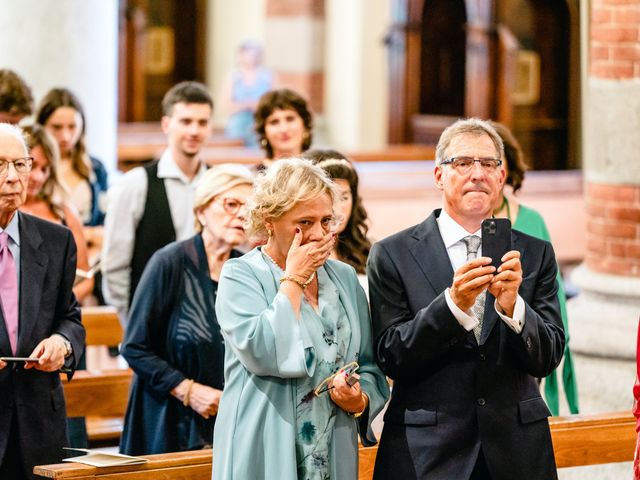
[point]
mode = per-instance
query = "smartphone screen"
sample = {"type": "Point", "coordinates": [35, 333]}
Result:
{"type": "Point", "coordinates": [496, 239]}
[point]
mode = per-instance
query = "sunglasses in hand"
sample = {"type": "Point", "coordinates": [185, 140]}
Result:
{"type": "Point", "coordinates": [352, 378]}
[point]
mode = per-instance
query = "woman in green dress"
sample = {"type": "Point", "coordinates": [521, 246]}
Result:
{"type": "Point", "coordinates": [529, 221]}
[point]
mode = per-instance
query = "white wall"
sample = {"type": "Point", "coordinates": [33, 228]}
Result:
{"type": "Point", "coordinates": [68, 43]}
{"type": "Point", "coordinates": [356, 80]}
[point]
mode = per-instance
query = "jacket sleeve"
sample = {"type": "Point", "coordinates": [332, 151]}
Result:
{"type": "Point", "coordinates": [405, 342]}
{"type": "Point", "coordinates": [266, 337]}
{"type": "Point", "coordinates": [540, 345]}
{"type": "Point", "coordinates": [372, 380]}
{"type": "Point", "coordinates": [148, 325]}
{"type": "Point", "coordinates": [68, 323]}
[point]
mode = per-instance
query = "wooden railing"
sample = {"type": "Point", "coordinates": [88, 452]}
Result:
{"type": "Point", "coordinates": [577, 440]}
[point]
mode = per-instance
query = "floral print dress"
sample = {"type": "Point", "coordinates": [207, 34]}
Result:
{"type": "Point", "coordinates": [330, 331]}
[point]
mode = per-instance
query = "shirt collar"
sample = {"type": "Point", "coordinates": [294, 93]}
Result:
{"type": "Point", "coordinates": [13, 229]}
{"type": "Point", "coordinates": [451, 231]}
{"type": "Point", "coordinates": [168, 168]}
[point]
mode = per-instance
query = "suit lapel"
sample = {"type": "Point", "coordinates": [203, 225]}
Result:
{"type": "Point", "coordinates": [431, 255]}
{"type": "Point", "coordinates": [33, 266]}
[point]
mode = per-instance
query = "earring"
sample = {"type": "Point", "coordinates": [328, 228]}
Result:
{"type": "Point", "coordinates": [264, 143]}
{"type": "Point", "coordinates": [269, 232]}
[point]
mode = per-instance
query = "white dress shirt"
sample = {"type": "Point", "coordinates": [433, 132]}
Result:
{"type": "Point", "coordinates": [126, 204]}
{"type": "Point", "coordinates": [452, 236]}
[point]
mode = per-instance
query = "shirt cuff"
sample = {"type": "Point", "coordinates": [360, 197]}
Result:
{"type": "Point", "coordinates": [467, 321]}
{"type": "Point", "coordinates": [515, 323]}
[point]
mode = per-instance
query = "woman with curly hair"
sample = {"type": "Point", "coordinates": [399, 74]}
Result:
{"type": "Point", "coordinates": [353, 245]}
{"type": "Point", "coordinates": [283, 125]}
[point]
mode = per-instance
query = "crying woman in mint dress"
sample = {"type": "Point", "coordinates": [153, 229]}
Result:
{"type": "Point", "coordinates": [291, 318]}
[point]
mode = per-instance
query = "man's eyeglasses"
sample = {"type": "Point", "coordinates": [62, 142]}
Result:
{"type": "Point", "coordinates": [231, 205]}
{"type": "Point", "coordinates": [22, 165]}
{"type": "Point", "coordinates": [464, 164]}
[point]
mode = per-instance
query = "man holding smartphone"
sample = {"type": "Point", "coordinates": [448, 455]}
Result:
{"type": "Point", "coordinates": [462, 340]}
{"type": "Point", "coordinates": [40, 328]}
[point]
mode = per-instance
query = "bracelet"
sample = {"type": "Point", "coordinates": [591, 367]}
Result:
{"type": "Point", "coordinates": [185, 401]}
{"type": "Point", "coordinates": [366, 405]}
{"type": "Point", "coordinates": [300, 283]}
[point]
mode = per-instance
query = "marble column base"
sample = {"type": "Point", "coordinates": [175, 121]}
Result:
{"type": "Point", "coordinates": [603, 318]}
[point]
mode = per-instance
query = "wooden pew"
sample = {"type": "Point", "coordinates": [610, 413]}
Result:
{"type": "Point", "coordinates": [577, 440]}
{"type": "Point", "coordinates": [169, 466]}
{"type": "Point", "coordinates": [102, 326]}
{"type": "Point", "coordinates": [100, 396]}
{"type": "Point", "coordinates": [104, 393]}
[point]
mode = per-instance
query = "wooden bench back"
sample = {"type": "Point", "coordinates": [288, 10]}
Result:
{"type": "Point", "coordinates": [104, 393]}
{"type": "Point", "coordinates": [102, 326]}
{"type": "Point", "coordinates": [577, 440]}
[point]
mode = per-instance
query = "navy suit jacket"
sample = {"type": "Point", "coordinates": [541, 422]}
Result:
{"type": "Point", "coordinates": [47, 306]}
{"type": "Point", "coordinates": [451, 395]}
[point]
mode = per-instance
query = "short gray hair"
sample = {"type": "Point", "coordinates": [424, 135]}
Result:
{"type": "Point", "coordinates": [217, 180]}
{"type": "Point", "coordinates": [286, 183]}
{"type": "Point", "coordinates": [17, 133]}
{"type": "Point", "coordinates": [467, 126]}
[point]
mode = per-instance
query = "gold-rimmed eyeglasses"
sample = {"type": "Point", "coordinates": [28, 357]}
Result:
{"type": "Point", "coordinates": [231, 205]}
{"type": "Point", "coordinates": [22, 165]}
{"type": "Point", "coordinates": [325, 385]}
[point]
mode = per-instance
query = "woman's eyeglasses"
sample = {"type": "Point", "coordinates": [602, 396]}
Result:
{"type": "Point", "coordinates": [231, 205]}
{"type": "Point", "coordinates": [350, 369]}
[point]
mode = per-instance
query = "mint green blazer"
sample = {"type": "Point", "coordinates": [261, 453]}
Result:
{"type": "Point", "coordinates": [266, 349]}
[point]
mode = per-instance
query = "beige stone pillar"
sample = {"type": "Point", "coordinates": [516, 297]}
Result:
{"type": "Point", "coordinates": [294, 43]}
{"type": "Point", "coordinates": [73, 44]}
{"type": "Point", "coordinates": [604, 317]}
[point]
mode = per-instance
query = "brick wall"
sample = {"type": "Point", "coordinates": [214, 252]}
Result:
{"type": "Point", "coordinates": [613, 210]}
{"type": "Point", "coordinates": [613, 229]}
{"type": "Point", "coordinates": [615, 39]}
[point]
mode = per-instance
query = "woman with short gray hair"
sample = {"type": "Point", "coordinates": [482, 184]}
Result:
{"type": "Point", "coordinates": [173, 341]}
{"type": "Point", "coordinates": [296, 328]}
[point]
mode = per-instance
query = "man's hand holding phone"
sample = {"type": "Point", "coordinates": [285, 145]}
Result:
{"type": "Point", "coordinates": [470, 280]}
{"type": "Point", "coordinates": [506, 283]}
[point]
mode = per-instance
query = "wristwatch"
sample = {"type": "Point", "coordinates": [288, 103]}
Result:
{"type": "Point", "coordinates": [68, 349]}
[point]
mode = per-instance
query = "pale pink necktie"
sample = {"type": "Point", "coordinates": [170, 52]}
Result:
{"type": "Point", "coordinates": [9, 290]}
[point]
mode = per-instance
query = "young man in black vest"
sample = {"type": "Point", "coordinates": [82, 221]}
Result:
{"type": "Point", "coordinates": [152, 206]}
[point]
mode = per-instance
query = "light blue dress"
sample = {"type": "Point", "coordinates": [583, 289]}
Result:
{"type": "Point", "coordinates": [240, 124]}
{"type": "Point", "coordinates": [271, 358]}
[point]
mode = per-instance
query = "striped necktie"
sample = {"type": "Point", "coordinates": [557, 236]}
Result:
{"type": "Point", "coordinates": [473, 245]}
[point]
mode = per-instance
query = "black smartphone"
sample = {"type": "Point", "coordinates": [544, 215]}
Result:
{"type": "Point", "coordinates": [18, 359]}
{"type": "Point", "coordinates": [496, 239]}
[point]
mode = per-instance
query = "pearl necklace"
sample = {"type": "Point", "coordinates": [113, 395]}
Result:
{"type": "Point", "coordinates": [276, 264]}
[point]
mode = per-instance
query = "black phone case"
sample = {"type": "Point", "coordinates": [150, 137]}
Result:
{"type": "Point", "coordinates": [496, 239]}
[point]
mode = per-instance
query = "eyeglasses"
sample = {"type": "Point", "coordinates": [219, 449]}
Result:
{"type": "Point", "coordinates": [231, 205]}
{"type": "Point", "coordinates": [464, 164]}
{"type": "Point", "coordinates": [325, 385]}
{"type": "Point", "coordinates": [22, 165]}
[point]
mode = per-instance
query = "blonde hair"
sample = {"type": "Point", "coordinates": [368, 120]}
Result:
{"type": "Point", "coordinates": [286, 183]}
{"type": "Point", "coordinates": [217, 180]}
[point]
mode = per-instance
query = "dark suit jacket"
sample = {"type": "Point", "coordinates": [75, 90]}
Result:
{"type": "Point", "coordinates": [47, 306]}
{"type": "Point", "coordinates": [451, 396]}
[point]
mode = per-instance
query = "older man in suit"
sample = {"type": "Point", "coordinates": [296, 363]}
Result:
{"type": "Point", "coordinates": [462, 341]}
{"type": "Point", "coordinates": [39, 319]}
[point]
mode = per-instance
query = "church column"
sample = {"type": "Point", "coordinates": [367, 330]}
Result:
{"type": "Point", "coordinates": [604, 317]}
{"type": "Point", "coordinates": [295, 46]}
{"type": "Point", "coordinates": [73, 44]}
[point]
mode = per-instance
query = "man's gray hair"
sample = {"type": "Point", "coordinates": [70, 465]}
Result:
{"type": "Point", "coordinates": [467, 126]}
{"type": "Point", "coordinates": [17, 133]}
